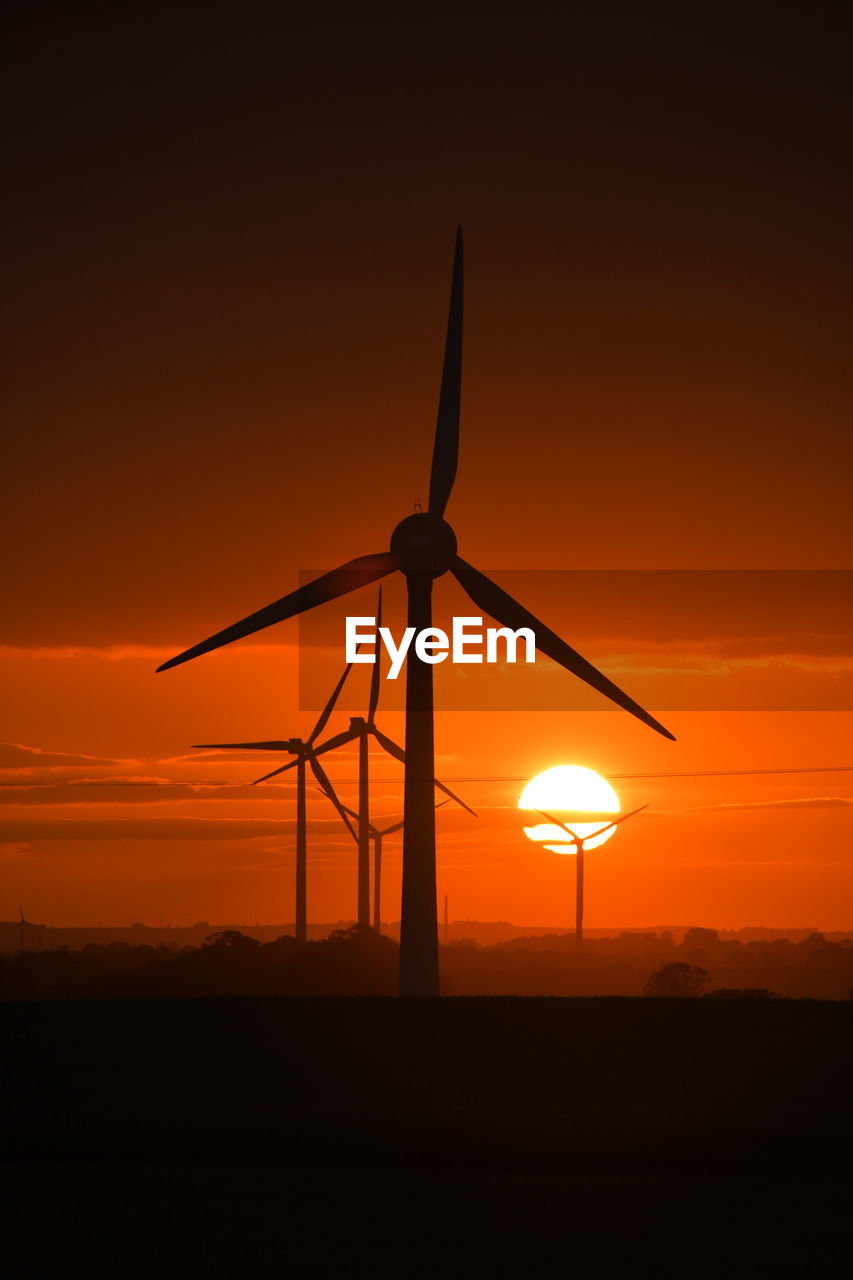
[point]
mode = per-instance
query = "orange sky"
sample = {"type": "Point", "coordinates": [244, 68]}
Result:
{"type": "Point", "coordinates": [124, 835]}
{"type": "Point", "coordinates": [229, 283]}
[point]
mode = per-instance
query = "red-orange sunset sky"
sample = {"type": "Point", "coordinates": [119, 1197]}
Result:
{"type": "Point", "coordinates": [228, 250]}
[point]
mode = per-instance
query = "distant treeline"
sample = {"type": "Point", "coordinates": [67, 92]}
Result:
{"type": "Point", "coordinates": [485, 933]}
{"type": "Point", "coordinates": [362, 962]}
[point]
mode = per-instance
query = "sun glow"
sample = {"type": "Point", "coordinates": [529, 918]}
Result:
{"type": "Point", "coordinates": [569, 791]}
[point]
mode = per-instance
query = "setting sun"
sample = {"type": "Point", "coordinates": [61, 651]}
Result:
{"type": "Point", "coordinates": [569, 791]}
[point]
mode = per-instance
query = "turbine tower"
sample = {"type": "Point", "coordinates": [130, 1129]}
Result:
{"type": "Point", "coordinates": [579, 842]}
{"type": "Point", "coordinates": [423, 547]}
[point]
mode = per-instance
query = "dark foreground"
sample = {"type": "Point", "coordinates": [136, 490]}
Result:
{"type": "Point", "coordinates": [218, 1135]}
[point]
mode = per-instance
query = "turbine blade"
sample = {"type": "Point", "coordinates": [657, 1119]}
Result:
{"type": "Point", "coordinates": [330, 793]}
{"type": "Point", "coordinates": [329, 707]}
{"type": "Point", "coordinates": [451, 795]}
{"type": "Point", "coordinates": [389, 831]}
{"type": "Point", "coordinates": [399, 754]}
{"type": "Point", "coordinates": [336, 692]}
{"type": "Point", "coordinates": [272, 745]}
{"type": "Point", "coordinates": [557, 823]}
{"type": "Point", "coordinates": [347, 577]}
{"type": "Point", "coordinates": [283, 769]}
{"type": "Point", "coordinates": [391, 747]}
{"type": "Point", "coordinates": [373, 702]}
{"type": "Point", "coordinates": [615, 823]}
{"type": "Point", "coordinates": [446, 448]}
{"type": "Point", "coordinates": [494, 601]}
{"type": "Point", "coordinates": [592, 834]}
{"type": "Point", "coordinates": [332, 744]}
{"type": "Point", "coordinates": [351, 813]}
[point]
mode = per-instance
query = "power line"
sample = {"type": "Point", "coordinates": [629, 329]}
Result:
{"type": "Point", "coordinates": [709, 773]}
{"type": "Point", "coordinates": [614, 777]}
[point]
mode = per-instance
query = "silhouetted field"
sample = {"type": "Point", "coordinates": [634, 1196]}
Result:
{"type": "Point", "coordinates": [629, 1121]}
{"type": "Point", "coordinates": [471, 1078]}
{"type": "Point", "coordinates": [250, 1126]}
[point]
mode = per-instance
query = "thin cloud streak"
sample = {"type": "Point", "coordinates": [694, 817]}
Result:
{"type": "Point", "coordinates": [15, 756]}
{"type": "Point", "coordinates": [121, 791]}
{"type": "Point", "coordinates": [25, 830]}
{"type": "Point", "coordinates": [810, 802]}
{"type": "Point", "coordinates": [129, 652]}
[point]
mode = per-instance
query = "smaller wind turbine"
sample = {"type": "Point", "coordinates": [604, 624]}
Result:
{"type": "Point", "coordinates": [360, 730]}
{"type": "Point", "coordinates": [579, 842]}
{"type": "Point", "coordinates": [377, 835]}
{"type": "Point", "coordinates": [305, 752]}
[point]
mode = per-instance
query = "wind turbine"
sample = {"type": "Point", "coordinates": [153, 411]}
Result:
{"type": "Point", "coordinates": [579, 842]}
{"type": "Point", "coordinates": [305, 752]}
{"type": "Point", "coordinates": [378, 835]}
{"type": "Point", "coordinates": [422, 548]}
{"type": "Point", "coordinates": [22, 923]}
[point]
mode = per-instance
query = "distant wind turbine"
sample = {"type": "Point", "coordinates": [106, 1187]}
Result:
{"type": "Point", "coordinates": [423, 547]}
{"type": "Point", "coordinates": [23, 923]}
{"type": "Point", "coordinates": [579, 842]}
{"type": "Point", "coordinates": [378, 834]}
{"type": "Point", "coordinates": [305, 752]}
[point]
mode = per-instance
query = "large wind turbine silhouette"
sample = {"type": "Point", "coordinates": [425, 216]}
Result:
{"type": "Point", "coordinates": [423, 547]}
{"type": "Point", "coordinates": [579, 842]}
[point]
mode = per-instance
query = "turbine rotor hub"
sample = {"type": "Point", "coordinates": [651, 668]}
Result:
{"type": "Point", "coordinates": [424, 543]}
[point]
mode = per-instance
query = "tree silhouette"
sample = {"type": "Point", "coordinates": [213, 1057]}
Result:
{"type": "Point", "coordinates": [231, 939]}
{"type": "Point", "coordinates": [678, 979]}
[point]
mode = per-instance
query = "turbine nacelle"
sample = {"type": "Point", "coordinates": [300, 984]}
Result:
{"type": "Point", "coordinates": [424, 543]}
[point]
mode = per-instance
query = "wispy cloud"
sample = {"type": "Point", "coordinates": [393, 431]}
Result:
{"type": "Point", "coordinates": [123, 652]}
{"type": "Point", "coordinates": [118, 790]}
{"type": "Point", "coordinates": [16, 756]}
{"type": "Point", "coordinates": [17, 830]}
{"type": "Point", "coordinates": [808, 802]}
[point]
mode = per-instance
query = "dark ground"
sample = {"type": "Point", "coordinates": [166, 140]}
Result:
{"type": "Point", "coordinates": [476, 1135]}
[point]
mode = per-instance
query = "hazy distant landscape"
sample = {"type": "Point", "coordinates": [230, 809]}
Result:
{"type": "Point", "coordinates": [343, 960]}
